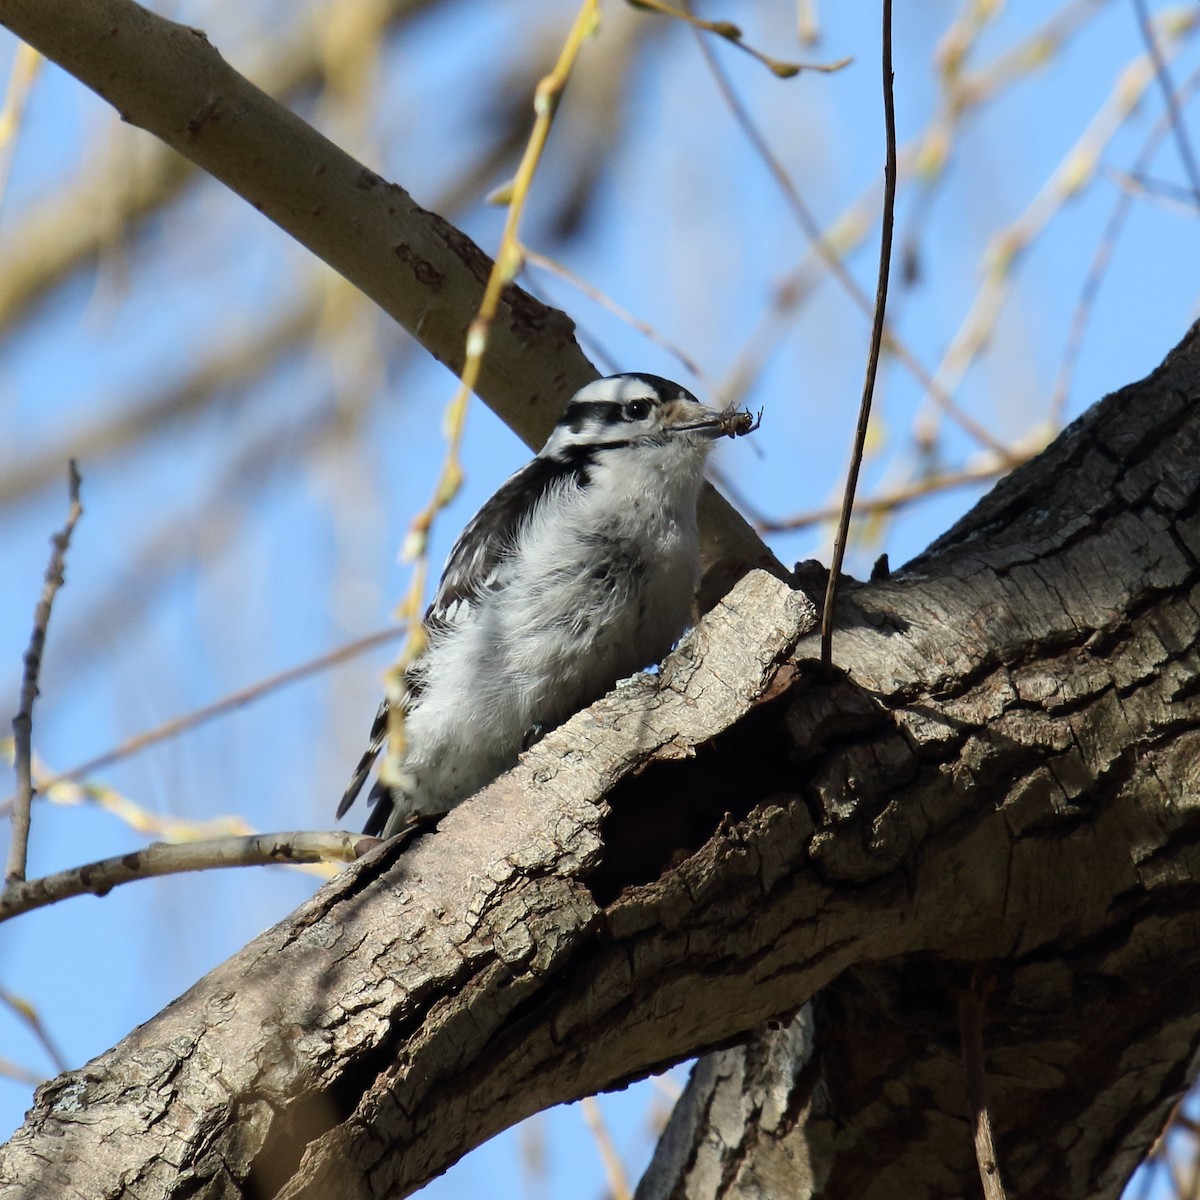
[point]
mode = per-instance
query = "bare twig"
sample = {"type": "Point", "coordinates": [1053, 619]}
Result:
{"type": "Point", "coordinates": [28, 1016]}
{"type": "Point", "coordinates": [1101, 259]}
{"type": "Point", "coordinates": [889, 501]}
{"type": "Point", "coordinates": [161, 858]}
{"type": "Point", "coordinates": [534, 259]}
{"type": "Point", "coordinates": [18, 847]}
{"type": "Point", "coordinates": [201, 716]}
{"type": "Point", "coordinates": [733, 35]}
{"type": "Point", "coordinates": [823, 244]}
{"type": "Point", "coordinates": [1186, 155]}
{"type": "Point", "coordinates": [970, 1024]}
{"type": "Point", "coordinates": [864, 411]}
{"type": "Point", "coordinates": [503, 272]}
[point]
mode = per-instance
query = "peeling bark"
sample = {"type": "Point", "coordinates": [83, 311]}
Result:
{"type": "Point", "coordinates": [1004, 778]}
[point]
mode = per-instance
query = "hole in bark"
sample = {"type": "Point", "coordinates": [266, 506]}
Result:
{"type": "Point", "coordinates": [302, 1121]}
{"type": "Point", "coordinates": [672, 807]}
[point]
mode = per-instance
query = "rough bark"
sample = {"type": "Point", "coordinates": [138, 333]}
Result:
{"type": "Point", "coordinates": [1040, 668]}
{"type": "Point", "coordinates": [1004, 780]}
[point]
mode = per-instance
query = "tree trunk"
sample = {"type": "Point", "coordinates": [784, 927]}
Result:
{"type": "Point", "coordinates": [1001, 783]}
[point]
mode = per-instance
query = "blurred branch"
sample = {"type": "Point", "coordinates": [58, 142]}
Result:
{"type": "Point", "coordinates": [69, 229]}
{"type": "Point", "coordinates": [812, 230]}
{"type": "Point", "coordinates": [209, 712]}
{"type": "Point", "coordinates": [1100, 260]}
{"type": "Point", "coordinates": [1072, 175]}
{"type": "Point", "coordinates": [18, 847]}
{"type": "Point", "coordinates": [101, 877]}
{"type": "Point", "coordinates": [21, 79]}
{"type": "Point", "coordinates": [963, 91]}
{"type": "Point", "coordinates": [614, 1169]}
{"type": "Point", "coordinates": [20, 1074]}
{"type": "Point", "coordinates": [1186, 155]}
{"type": "Point", "coordinates": [229, 367]}
{"type": "Point", "coordinates": [168, 79]}
{"type": "Point", "coordinates": [28, 1016]}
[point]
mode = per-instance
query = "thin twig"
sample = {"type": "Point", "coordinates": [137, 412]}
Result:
{"type": "Point", "coordinates": [822, 244]}
{"type": "Point", "coordinates": [18, 847]}
{"type": "Point", "coordinates": [733, 35]}
{"type": "Point", "coordinates": [1100, 260]}
{"type": "Point", "coordinates": [201, 716]}
{"type": "Point", "coordinates": [534, 259]}
{"type": "Point", "coordinates": [28, 1016]}
{"type": "Point", "coordinates": [504, 270]}
{"type": "Point", "coordinates": [864, 411]}
{"type": "Point", "coordinates": [970, 1026]}
{"type": "Point", "coordinates": [887, 502]}
{"type": "Point", "coordinates": [162, 858]}
{"type": "Point", "coordinates": [1186, 156]}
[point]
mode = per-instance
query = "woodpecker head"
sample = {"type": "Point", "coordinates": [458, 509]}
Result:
{"type": "Point", "coordinates": [637, 411]}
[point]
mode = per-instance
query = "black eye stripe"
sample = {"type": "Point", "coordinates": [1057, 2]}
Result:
{"type": "Point", "coordinates": [581, 413]}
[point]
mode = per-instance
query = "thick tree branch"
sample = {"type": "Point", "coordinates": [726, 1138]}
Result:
{"type": "Point", "coordinates": [1073, 589]}
{"type": "Point", "coordinates": [1005, 776]}
{"type": "Point", "coordinates": [167, 79]}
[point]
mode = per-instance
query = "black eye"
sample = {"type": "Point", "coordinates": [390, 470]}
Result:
{"type": "Point", "coordinates": [637, 410]}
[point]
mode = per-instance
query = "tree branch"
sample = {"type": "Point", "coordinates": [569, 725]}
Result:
{"type": "Point", "coordinates": [167, 79]}
{"type": "Point", "coordinates": [165, 858]}
{"type": "Point", "coordinates": [18, 847]}
{"type": "Point", "coordinates": [1003, 778]}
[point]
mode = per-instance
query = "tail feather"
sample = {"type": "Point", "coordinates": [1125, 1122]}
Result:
{"type": "Point", "coordinates": [380, 800]}
{"type": "Point", "coordinates": [379, 731]}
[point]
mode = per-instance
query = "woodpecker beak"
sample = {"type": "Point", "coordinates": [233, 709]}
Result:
{"type": "Point", "coordinates": [690, 416]}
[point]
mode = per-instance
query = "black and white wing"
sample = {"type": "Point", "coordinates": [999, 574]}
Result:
{"type": "Point", "coordinates": [474, 567]}
{"type": "Point", "coordinates": [475, 564]}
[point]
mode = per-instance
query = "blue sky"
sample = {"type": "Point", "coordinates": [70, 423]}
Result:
{"type": "Point", "coordinates": [202, 566]}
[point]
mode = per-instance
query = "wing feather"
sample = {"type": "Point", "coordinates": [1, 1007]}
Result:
{"type": "Point", "coordinates": [475, 563]}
